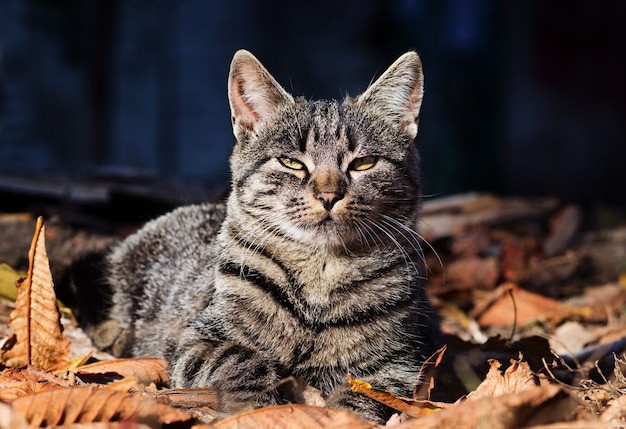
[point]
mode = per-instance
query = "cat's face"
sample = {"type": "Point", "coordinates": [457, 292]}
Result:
{"type": "Point", "coordinates": [329, 174]}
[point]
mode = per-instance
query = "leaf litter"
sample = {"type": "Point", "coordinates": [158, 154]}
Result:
{"type": "Point", "coordinates": [520, 281]}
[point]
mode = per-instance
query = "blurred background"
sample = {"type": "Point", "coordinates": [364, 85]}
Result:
{"type": "Point", "coordinates": [522, 97]}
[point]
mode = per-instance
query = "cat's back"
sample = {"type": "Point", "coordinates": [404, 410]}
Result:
{"type": "Point", "coordinates": [163, 272]}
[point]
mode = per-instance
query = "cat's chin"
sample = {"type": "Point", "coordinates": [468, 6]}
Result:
{"type": "Point", "coordinates": [329, 235]}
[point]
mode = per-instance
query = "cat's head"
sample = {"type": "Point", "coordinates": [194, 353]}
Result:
{"type": "Point", "coordinates": [327, 173]}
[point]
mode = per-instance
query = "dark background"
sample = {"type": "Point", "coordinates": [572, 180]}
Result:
{"type": "Point", "coordinates": [522, 97]}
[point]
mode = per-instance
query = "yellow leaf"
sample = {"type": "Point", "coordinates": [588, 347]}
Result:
{"type": "Point", "coordinates": [413, 408]}
{"type": "Point", "coordinates": [8, 279]}
{"type": "Point", "coordinates": [35, 321]}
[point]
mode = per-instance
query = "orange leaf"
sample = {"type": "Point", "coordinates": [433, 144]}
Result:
{"type": "Point", "coordinates": [147, 371]}
{"type": "Point", "coordinates": [35, 320]}
{"type": "Point", "coordinates": [411, 407]}
{"type": "Point", "coordinates": [16, 382]}
{"type": "Point", "coordinates": [295, 416]}
{"type": "Point", "coordinates": [89, 404]}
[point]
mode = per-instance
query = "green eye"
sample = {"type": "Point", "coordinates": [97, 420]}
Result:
{"type": "Point", "coordinates": [364, 163]}
{"type": "Point", "coordinates": [291, 163]}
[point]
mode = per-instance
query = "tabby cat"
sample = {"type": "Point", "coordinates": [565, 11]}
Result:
{"type": "Point", "coordinates": [311, 269]}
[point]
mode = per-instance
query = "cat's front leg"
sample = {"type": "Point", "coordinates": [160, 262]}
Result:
{"type": "Point", "coordinates": [244, 378]}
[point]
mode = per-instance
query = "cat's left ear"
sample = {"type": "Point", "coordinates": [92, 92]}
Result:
{"type": "Point", "coordinates": [253, 93]}
{"type": "Point", "coordinates": [398, 93]}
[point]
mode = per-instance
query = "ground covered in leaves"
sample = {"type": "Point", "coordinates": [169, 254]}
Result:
{"type": "Point", "coordinates": [532, 302]}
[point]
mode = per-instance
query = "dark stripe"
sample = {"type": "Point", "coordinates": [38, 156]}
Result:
{"type": "Point", "coordinates": [365, 315]}
{"type": "Point", "coordinates": [192, 366]}
{"type": "Point", "coordinates": [352, 139]}
{"type": "Point", "coordinates": [302, 139]}
{"type": "Point", "coordinates": [266, 285]}
{"type": "Point", "coordinates": [249, 172]}
{"type": "Point", "coordinates": [233, 351]}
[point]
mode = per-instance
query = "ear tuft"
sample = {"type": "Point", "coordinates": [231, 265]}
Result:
{"type": "Point", "coordinates": [253, 93]}
{"type": "Point", "coordinates": [398, 93]}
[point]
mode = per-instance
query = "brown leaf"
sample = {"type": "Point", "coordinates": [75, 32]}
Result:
{"type": "Point", "coordinates": [426, 377]}
{"type": "Point", "coordinates": [36, 319]}
{"type": "Point", "coordinates": [199, 401]}
{"type": "Point", "coordinates": [16, 382]}
{"type": "Point", "coordinates": [146, 370]}
{"type": "Point", "coordinates": [472, 272]}
{"type": "Point", "coordinates": [413, 408]}
{"type": "Point", "coordinates": [89, 404]}
{"type": "Point", "coordinates": [517, 378]}
{"type": "Point", "coordinates": [541, 404]}
{"type": "Point", "coordinates": [498, 309]}
{"type": "Point", "coordinates": [295, 416]}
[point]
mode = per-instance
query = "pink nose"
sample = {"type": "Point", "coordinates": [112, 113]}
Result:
{"type": "Point", "coordinates": [328, 198]}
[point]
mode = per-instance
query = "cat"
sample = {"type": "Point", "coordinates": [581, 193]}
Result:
{"type": "Point", "coordinates": [312, 267]}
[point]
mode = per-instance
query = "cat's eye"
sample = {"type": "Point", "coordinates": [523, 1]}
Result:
{"type": "Point", "coordinates": [364, 163]}
{"type": "Point", "coordinates": [291, 163]}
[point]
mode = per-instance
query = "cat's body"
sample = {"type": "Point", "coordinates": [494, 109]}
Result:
{"type": "Point", "coordinates": [311, 269]}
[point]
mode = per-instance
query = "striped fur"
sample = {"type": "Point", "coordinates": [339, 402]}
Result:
{"type": "Point", "coordinates": [312, 269]}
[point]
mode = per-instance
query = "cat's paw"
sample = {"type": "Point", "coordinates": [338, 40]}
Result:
{"type": "Point", "coordinates": [244, 379]}
{"type": "Point", "coordinates": [344, 397]}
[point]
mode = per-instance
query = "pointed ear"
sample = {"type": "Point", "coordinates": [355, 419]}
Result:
{"type": "Point", "coordinates": [398, 92]}
{"type": "Point", "coordinates": [253, 93]}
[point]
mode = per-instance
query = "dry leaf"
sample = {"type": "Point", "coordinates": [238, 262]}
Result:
{"type": "Point", "coordinates": [517, 378]}
{"type": "Point", "coordinates": [147, 371]}
{"type": "Point", "coordinates": [8, 278]}
{"type": "Point", "coordinates": [413, 408]}
{"type": "Point", "coordinates": [616, 412]}
{"type": "Point", "coordinates": [542, 404]}
{"type": "Point", "coordinates": [200, 401]}
{"type": "Point", "coordinates": [295, 416]}
{"type": "Point", "coordinates": [35, 320]}
{"type": "Point", "coordinates": [472, 273]}
{"type": "Point", "coordinates": [426, 377]}
{"type": "Point", "coordinates": [9, 419]}
{"type": "Point", "coordinates": [498, 309]}
{"type": "Point", "coordinates": [89, 404]}
{"type": "Point", "coordinates": [16, 382]}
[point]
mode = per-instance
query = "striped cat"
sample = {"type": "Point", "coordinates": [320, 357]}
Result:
{"type": "Point", "coordinates": [312, 268]}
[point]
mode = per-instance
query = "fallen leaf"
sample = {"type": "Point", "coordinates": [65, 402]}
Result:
{"type": "Point", "coordinates": [413, 408]}
{"type": "Point", "coordinates": [89, 404]}
{"type": "Point", "coordinates": [539, 405]}
{"type": "Point", "coordinates": [563, 227]}
{"type": "Point", "coordinates": [616, 411]}
{"type": "Point", "coordinates": [16, 382]}
{"type": "Point", "coordinates": [35, 320]}
{"type": "Point", "coordinates": [146, 370]}
{"type": "Point", "coordinates": [10, 419]}
{"type": "Point", "coordinates": [295, 416]}
{"type": "Point", "coordinates": [200, 401]}
{"type": "Point", "coordinates": [516, 378]}
{"type": "Point", "coordinates": [472, 272]}
{"type": "Point", "coordinates": [8, 278]}
{"type": "Point", "coordinates": [498, 309]}
{"type": "Point", "coordinates": [426, 377]}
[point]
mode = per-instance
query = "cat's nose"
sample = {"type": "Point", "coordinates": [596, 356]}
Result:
{"type": "Point", "coordinates": [329, 198]}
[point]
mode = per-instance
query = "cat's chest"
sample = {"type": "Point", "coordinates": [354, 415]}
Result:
{"type": "Point", "coordinates": [317, 277]}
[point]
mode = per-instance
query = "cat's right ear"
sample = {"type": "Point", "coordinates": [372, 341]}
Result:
{"type": "Point", "coordinates": [253, 93]}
